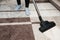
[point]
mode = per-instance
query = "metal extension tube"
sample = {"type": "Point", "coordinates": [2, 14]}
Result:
{"type": "Point", "coordinates": [35, 5]}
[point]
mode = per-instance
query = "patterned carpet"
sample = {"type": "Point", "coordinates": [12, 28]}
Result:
{"type": "Point", "coordinates": [16, 25]}
{"type": "Point", "coordinates": [17, 28]}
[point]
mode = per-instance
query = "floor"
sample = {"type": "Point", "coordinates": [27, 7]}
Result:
{"type": "Point", "coordinates": [47, 11]}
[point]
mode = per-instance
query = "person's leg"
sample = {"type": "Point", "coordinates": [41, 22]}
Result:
{"type": "Point", "coordinates": [18, 5]}
{"type": "Point", "coordinates": [27, 3]}
{"type": "Point", "coordinates": [27, 7]}
{"type": "Point", "coordinates": [19, 2]}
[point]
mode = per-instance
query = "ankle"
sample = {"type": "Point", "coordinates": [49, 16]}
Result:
{"type": "Point", "coordinates": [19, 5]}
{"type": "Point", "coordinates": [27, 8]}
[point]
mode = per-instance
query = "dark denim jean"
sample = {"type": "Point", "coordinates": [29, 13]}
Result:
{"type": "Point", "coordinates": [26, 2]}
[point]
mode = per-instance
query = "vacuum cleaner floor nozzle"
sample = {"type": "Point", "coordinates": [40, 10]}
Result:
{"type": "Point", "coordinates": [45, 25]}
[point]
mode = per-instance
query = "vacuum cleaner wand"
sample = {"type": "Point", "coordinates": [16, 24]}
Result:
{"type": "Point", "coordinates": [45, 25]}
{"type": "Point", "coordinates": [40, 18]}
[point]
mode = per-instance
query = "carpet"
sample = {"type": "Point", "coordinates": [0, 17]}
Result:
{"type": "Point", "coordinates": [11, 20]}
{"type": "Point", "coordinates": [16, 32]}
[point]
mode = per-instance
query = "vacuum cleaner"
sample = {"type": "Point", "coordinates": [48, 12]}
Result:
{"type": "Point", "coordinates": [45, 25]}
